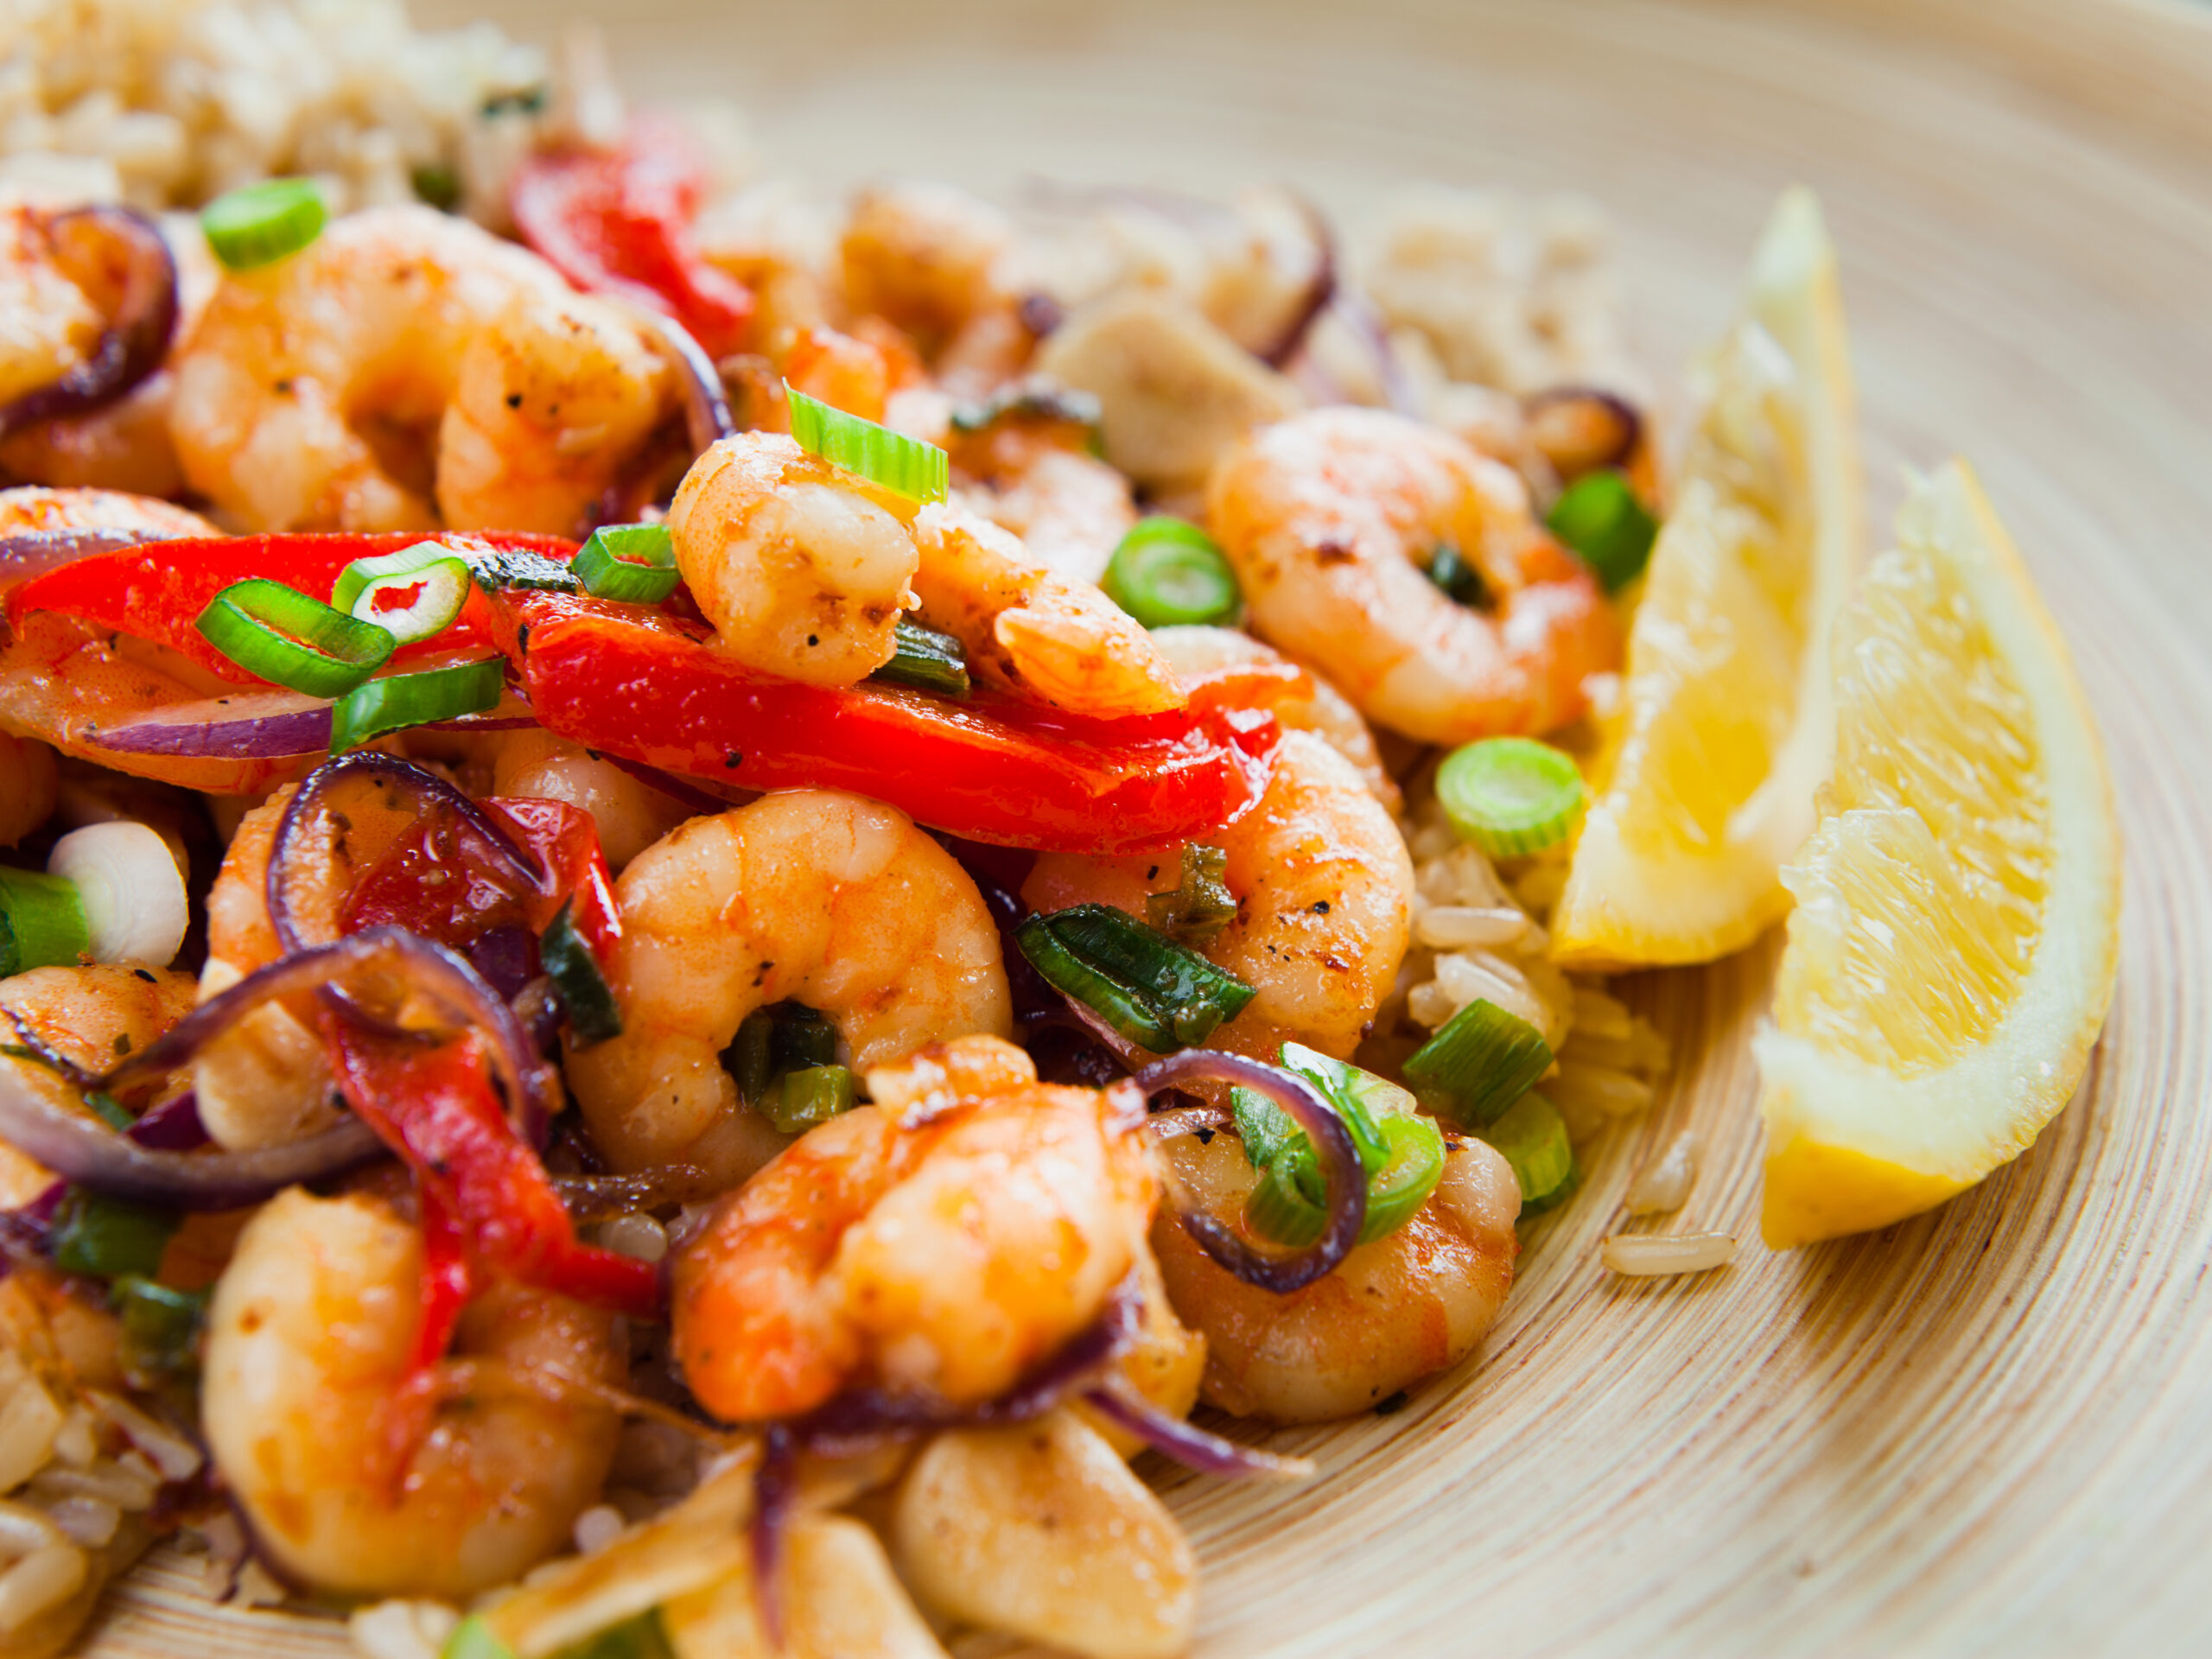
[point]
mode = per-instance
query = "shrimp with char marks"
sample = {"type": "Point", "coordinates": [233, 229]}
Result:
{"type": "Point", "coordinates": [408, 368]}
{"type": "Point", "coordinates": [812, 896]}
{"type": "Point", "coordinates": [1332, 518]}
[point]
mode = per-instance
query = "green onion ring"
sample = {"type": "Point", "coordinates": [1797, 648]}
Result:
{"type": "Point", "coordinates": [1511, 796]}
{"type": "Point", "coordinates": [399, 701]}
{"type": "Point", "coordinates": [635, 563]}
{"type": "Point", "coordinates": [260, 224]}
{"type": "Point", "coordinates": [904, 466]}
{"type": "Point", "coordinates": [283, 635]}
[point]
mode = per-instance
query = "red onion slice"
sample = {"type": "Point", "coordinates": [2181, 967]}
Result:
{"type": "Point", "coordinates": [248, 726]}
{"type": "Point", "coordinates": [1119, 1403]}
{"type": "Point", "coordinates": [34, 552]}
{"type": "Point", "coordinates": [1320, 287]}
{"type": "Point", "coordinates": [119, 250]}
{"type": "Point", "coordinates": [1345, 1180]}
{"type": "Point", "coordinates": [427, 966]}
{"type": "Point", "coordinates": [1357, 315]}
{"type": "Point", "coordinates": [687, 795]}
{"type": "Point", "coordinates": [775, 1493]}
{"type": "Point", "coordinates": [86, 1152]}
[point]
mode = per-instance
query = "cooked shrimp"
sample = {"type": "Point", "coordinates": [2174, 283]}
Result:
{"type": "Point", "coordinates": [812, 896]}
{"type": "Point", "coordinates": [31, 507]}
{"type": "Point", "coordinates": [264, 1082]}
{"type": "Point", "coordinates": [1195, 653]}
{"type": "Point", "coordinates": [48, 323]}
{"type": "Point", "coordinates": [1393, 1312]}
{"type": "Point", "coordinates": [1331, 520]}
{"type": "Point", "coordinates": [929, 258]}
{"type": "Point", "coordinates": [1030, 470]}
{"type": "Point", "coordinates": [1324, 891]}
{"type": "Point", "coordinates": [94, 1016]}
{"type": "Point", "coordinates": [309, 1338]}
{"type": "Point", "coordinates": [941, 1248]}
{"type": "Point", "coordinates": [805, 570]}
{"type": "Point", "coordinates": [408, 366]}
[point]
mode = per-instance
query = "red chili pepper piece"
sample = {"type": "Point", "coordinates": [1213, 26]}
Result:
{"type": "Point", "coordinates": [619, 223]}
{"type": "Point", "coordinates": [156, 590]}
{"type": "Point", "coordinates": [649, 687]}
{"type": "Point", "coordinates": [435, 1107]}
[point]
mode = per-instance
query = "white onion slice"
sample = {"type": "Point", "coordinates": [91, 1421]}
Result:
{"type": "Point", "coordinates": [134, 898]}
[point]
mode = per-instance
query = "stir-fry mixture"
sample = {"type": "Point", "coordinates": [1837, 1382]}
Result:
{"type": "Point", "coordinates": [710, 894]}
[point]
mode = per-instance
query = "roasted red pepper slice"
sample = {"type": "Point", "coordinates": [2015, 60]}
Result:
{"type": "Point", "coordinates": [434, 1105]}
{"type": "Point", "coordinates": [647, 686]}
{"type": "Point", "coordinates": [619, 223]}
{"type": "Point", "coordinates": [156, 590]}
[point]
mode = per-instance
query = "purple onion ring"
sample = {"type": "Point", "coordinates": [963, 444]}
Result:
{"type": "Point", "coordinates": [1118, 1401]}
{"type": "Point", "coordinates": [137, 337]}
{"type": "Point", "coordinates": [1345, 1178]}
{"type": "Point", "coordinates": [688, 796]}
{"type": "Point", "coordinates": [408, 776]}
{"type": "Point", "coordinates": [775, 1493]}
{"type": "Point", "coordinates": [274, 726]}
{"type": "Point", "coordinates": [1398, 393]}
{"type": "Point", "coordinates": [705, 403]}
{"type": "Point", "coordinates": [430, 967]}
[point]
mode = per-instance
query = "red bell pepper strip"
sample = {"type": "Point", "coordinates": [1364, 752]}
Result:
{"type": "Point", "coordinates": [156, 590]}
{"type": "Point", "coordinates": [435, 1107]}
{"type": "Point", "coordinates": [619, 223]}
{"type": "Point", "coordinates": [648, 686]}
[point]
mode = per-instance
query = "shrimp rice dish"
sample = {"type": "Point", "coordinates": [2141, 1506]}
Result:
{"type": "Point", "coordinates": [716, 901]}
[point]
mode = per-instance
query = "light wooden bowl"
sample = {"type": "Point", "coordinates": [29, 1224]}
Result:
{"type": "Point", "coordinates": [1986, 1429]}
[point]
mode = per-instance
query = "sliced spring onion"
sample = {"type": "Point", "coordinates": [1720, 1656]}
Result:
{"type": "Point", "coordinates": [260, 224]}
{"type": "Point", "coordinates": [436, 185]}
{"type": "Point", "coordinates": [1600, 518]}
{"type": "Point", "coordinates": [593, 1016]}
{"type": "Point", "coordinates": [776, 1044]}
{"type": "Point", "coordinates": [161, 1326]}
{"type": "Point", "coordinates": [927, 660]}
{"type": "Point", "coordinates": [473, 1639]}
{"type": "Point", "coordinates": [1511, 796]}
{"type": "Point", "coordinates": [1453, 571]}
{"type": "Point", "coordinates": [399, 700]}
{"type": "Point", "coordinates": [802, 1037]}
{"type": "Point", "coordinates": [1202, 905]}
{"type": "Point", "coordinates": [1478, 1063]}
{"type": "Point", "coordinates": [289, 639]}
{"type": "Point", "coordinates": [809, 1096]}
{"type": "Point", "coordinates": [1402, 1153]}
{"type": "Point", "coordinates": [1167, 572]}
{"type": "Point", "coordinates": [635, 563]}
{"type": "Point", "coordinates": [42, 922]}
{"type": "Point", "coordinates": [1149, 988]}
{"type": "Point", "coordinates": [109, 1238]}
{"type": "Point", "coordinates": [750, 1057]}
{"type": "Point", "coordinates": [1286, 1206]}
{"type": "Point", "coordinates": [919, 471]}
{"type": "Point", "coordinates": [410, 594]}
{"type": "Point", "coordinates": [132, 893]}
{"type": "Point", "coordinates": [1533, 1138]}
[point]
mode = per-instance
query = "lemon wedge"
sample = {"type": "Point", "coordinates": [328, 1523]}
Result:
{"type": "Point", "coordinates": [1704, 781]}
{"type": "Point", "coordinates": [1957, 928]}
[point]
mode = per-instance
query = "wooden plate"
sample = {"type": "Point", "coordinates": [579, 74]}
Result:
{"type": "Point", "coordinates": [1988, 1428]}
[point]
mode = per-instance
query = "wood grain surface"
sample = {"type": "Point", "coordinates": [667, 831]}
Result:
{"type": "Point", "coordinates": [1989, 1429]}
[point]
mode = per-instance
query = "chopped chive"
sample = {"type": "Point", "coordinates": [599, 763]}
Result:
{"type": "Point", "coordinates": [904, 466]}
{"type": "Point", "coordinates": [1599, 517]}
{"type": "Point", "coordinates": [42, 922]}
{"type": "Point", "coordinates": [399, 701]}
{"type": "Point", "coordinates": [284, 637]}
{"type": "Point", "coordinates": [635, 563]}
{"type": "Point", "coordinates": [642, 1637]}
{"type": "Point", "coordinates": [1532, 1136]}
{"type": "Point", "coordinates": [809, 1096]}
{"type": "Point", "coordinates": [1202, 905]}
{"type": "Point", "coordinates": [109, 1238]}
{"type": "Point", "coordinates": [110, 1110]}
{"type": "Point", "coordinates": [1453, 572]}
{"type": "Point", "coordinates": [927, 660]}
{"type": "Point", "coordinates": [1480, 1062]}
{"type": "Point", "coordinates": [1167, 572]}
{"type": "Point", "coordinates": [260, 224]}
{"type": "Point", "coordinates": [1152, 990]}
{"type": "Point", "coordinates": [1402, 1152]}
{"type": "Point", "coordinates": [593, 1015]}
{"type": "Point", "coordinates": [411, 595]}
{"type": "Point", "coordinates": [1511, 796]}
{"type": "Point", "coordinates": [749, 1058]}
{"type": "Point", "coordinates": [435, 185]}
